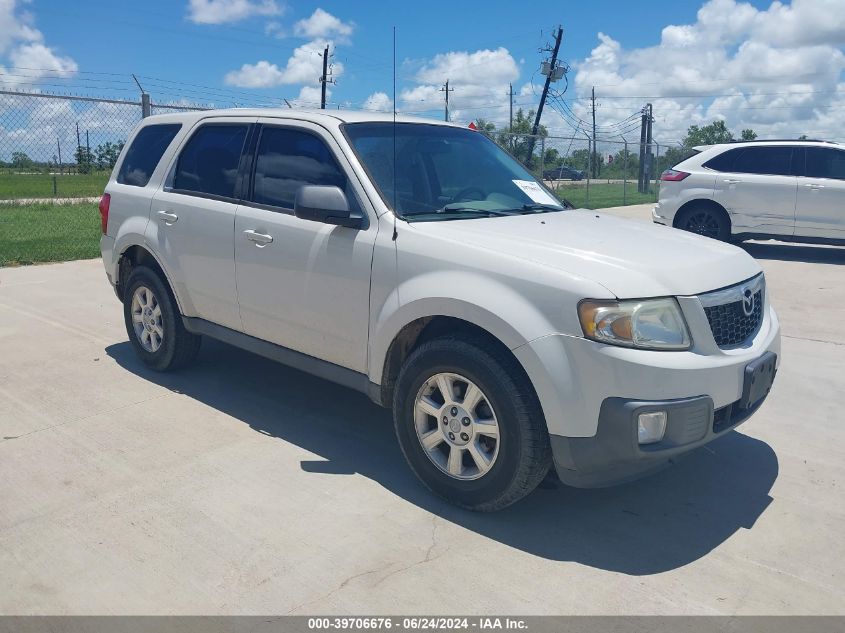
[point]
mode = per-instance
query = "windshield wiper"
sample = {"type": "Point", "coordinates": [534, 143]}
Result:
{"type": "Point", "coordinates": [540, 208]}
{"type": "Point", "coordinates": [456, 208]}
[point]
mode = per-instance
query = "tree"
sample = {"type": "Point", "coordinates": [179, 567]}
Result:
{"type": "Point", "coordinates": [518, 143]}
{"type": "Point", "coordinates": [485, 126]}
{"type": "Point", "coordinates": [21, 160]}
{"type": "Point", "coordinates": [716, 132]}
{"type": "Point", "coordinates": [84, 159]}
{"type": "Point", "coordinates": [107, 153]}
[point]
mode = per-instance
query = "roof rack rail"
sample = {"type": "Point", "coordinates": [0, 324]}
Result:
{"type": "Point", "coordinates": [782, 140]}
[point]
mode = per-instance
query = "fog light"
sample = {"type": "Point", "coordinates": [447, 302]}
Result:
{"type": "Point", "coordinates": [651, 427]}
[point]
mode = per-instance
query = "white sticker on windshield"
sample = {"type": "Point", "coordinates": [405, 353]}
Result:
{"type": "Point", "coordinates": [534, 191]}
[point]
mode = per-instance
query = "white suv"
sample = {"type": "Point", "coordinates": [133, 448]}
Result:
{"type": "Point", "coordinates": [786, 190]}
{"type": "Point", "coordinates": [420, 264]}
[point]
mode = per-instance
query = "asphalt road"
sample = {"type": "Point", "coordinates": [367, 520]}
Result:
{"type": "Point", "coordinates": [240, 486]}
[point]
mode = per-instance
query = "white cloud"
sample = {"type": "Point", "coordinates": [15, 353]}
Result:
{"type": "Point", "coordinates": [777, 70]}
{"type": "Point", "coordinates": [22, 45]}
{"type": "Point", "coordinates": [379, 102]}
{"type": "Point", "coordinates": [322, 24]}
{"type": "Point", "coordinates": [309, 97]}
{"type": "Point", "coordinates": [304, 66]}
{"type": "Point", "coordinates": [478, 83]}
{"type": "Point", "coordinates": [224, 11]}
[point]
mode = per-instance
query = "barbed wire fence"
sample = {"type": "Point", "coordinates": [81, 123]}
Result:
{"type": "Point", "coordinates": [58, 149]}
{"type": "Point", "coordinates": [54, 150]}
{"type": "Point", "coordinates": [62, 146]}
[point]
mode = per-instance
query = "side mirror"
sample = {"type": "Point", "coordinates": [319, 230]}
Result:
{"type": "Point", "coordinates": [326, 204]}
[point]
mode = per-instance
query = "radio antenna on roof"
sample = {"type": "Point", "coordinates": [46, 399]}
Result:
{"type": "Point", "coordinates": [395, 211]}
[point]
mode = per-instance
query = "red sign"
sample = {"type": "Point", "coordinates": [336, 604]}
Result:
{"type": "Point", "coordinates": [472, 125]}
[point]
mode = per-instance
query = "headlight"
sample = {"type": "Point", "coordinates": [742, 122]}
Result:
{"type": "Point", "coordinates": [647, 324]}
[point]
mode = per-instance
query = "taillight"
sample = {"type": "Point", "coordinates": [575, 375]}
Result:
{"type": "Point", "coordinates": [673, 175]}
{"type": "Point", "coordinates": [105, 201]}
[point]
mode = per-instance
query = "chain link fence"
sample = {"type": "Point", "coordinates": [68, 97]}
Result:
{"type": "Point", "coordinates": [594, 174]}
{"type": "Point", "coordinates": [56, 150]}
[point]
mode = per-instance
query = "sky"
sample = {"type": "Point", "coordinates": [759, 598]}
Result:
{"type": "Point", "coordinates": [776, 67]}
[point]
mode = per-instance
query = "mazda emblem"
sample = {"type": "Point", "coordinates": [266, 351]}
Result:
{"type": "Point", "coordinates": [748, 301]}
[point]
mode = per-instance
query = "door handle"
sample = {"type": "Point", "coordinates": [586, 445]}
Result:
{"type": "Point", "coordinates": [167, 217]}
{"type": "Point", "coordinates": [814, 185]}
{"type": "Point", "coordinates": [731, 181]}
{"type": "Point", "coordinates": [260, 239]}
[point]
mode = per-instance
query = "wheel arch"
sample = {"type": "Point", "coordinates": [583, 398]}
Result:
{"type": "Point", "coordinates": [134, 255]}
{"type": "Point", "coordinates": [419, 331]}
{"type": "Point", "coordinates": [698, 203]}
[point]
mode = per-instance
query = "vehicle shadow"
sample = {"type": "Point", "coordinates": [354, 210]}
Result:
{"type": "Point", "coordinates": [786, 252]}
{"type": "Point", "coordinates": [647, 527]}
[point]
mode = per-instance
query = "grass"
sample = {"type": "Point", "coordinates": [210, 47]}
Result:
{"type": "Point", "coordinates": [605, 195]}
{"type": "Point", "coordinates": [48, 233]}
{"type": "Point", "coordinates": [21, 185]}
{"type": "Point", "coordinates": [61, 232]}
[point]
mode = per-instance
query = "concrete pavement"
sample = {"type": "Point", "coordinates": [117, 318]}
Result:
{"type": "Point", "coordinates": [240, 486]}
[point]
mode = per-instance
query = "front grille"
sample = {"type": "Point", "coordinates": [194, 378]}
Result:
{"type": "Point", "coordinates": [726, 312]}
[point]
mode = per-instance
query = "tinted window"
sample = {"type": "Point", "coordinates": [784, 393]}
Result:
{"type": "Point", "coordinates": [764, 160]}
{"type": "Point", "coordinates": [825, 163]}
{"type": "Point", "coordinates": [209, 162]}
{"type": "Point", "coordinates": [724, 161]}
{"type": "Point", "coordinates": [288, 159]}
{"type": "Point", "coordinates": [143, 155]}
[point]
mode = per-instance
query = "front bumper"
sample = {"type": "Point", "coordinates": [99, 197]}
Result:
{"type": "Point", "coordinates": [614, 455]}
{"type": "Point", "coordinates": [580, 383]}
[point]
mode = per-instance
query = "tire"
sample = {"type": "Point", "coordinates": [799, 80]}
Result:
{"type": "Point", "coordinates": [707, 220]}
{"type": "Point", "coordinates": [154, 324]}
{"type": "Point", "coordinates": [517, 458]}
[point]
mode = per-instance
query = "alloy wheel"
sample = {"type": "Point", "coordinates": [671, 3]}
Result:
{"type": "Point", "coordinates": [703, 223]}
{"type": "Point", "coordinates": [146, 319]}
{"type": "Point", "coordinates": [456, 426]}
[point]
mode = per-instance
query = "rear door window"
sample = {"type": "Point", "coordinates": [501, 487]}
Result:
{"type": "Point", "coordinates": [823, 162]}
{"type": "Point", "coordinates": [772, 161]}
{"type": "Point", "coordinates": [208, 165]}
{"type": "Point", "coordinates": [145, 152]}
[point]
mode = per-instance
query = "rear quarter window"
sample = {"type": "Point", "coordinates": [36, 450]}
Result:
{"type": "Point", "coordinates": [145, 152]}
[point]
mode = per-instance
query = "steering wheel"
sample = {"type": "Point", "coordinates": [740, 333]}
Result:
{"type": "Point", "coordinates": [461, 195]}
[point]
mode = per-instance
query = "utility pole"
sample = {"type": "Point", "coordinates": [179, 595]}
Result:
{"type": "Point", "coordinates": [324, 78]}
{"type": "Point", "coordinates": [553, 75]}
{"type": "Point", "coordinates": [510, 94]}
{"type": "Point", "coordinates": [593, 161]}
{"type": "Point", "coordinates": [447, 90]}
{"type": "Point", "coordinates": [644, 173]}
{"type": "Point", "coordinates": [649, 163]}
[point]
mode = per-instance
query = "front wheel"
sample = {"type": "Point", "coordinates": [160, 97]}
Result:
{"type": "Point", "coordinates": [469, 423]}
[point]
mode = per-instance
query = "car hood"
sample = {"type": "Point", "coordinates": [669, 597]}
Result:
{"type": "Point", "coordinates": [632, 259]}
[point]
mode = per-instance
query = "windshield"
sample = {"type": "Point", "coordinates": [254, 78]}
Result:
{"type": "Point", "coordinates": [444, 172]}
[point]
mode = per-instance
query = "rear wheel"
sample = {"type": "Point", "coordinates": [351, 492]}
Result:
{"type": "Point", "coordinates": [705, 220]}
{"type": "Point", "coordinates": [154, 324]}
{"type": "Point", "coordinates": [469, 423]}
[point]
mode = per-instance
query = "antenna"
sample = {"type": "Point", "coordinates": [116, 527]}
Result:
{"type": "Point", "coordinates": [395, 210]}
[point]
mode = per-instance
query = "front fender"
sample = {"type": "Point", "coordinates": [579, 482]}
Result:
{"type": "Point", "coordinates": [484, 301]}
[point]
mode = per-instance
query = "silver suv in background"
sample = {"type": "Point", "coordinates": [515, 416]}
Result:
{"type": "Point", "coordinates": [786, 190]}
